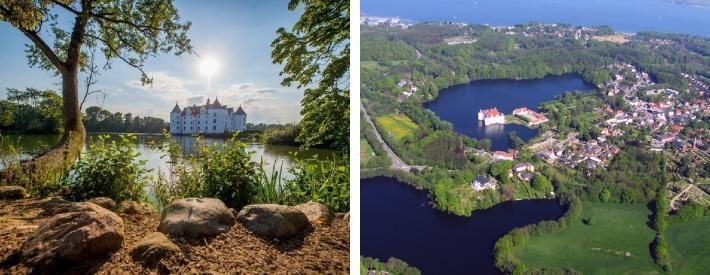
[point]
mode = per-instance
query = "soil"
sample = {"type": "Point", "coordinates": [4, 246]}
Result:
{"type": "Point", "coordinates": [319, 250]}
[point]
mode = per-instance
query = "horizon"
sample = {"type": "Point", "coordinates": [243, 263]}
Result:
{"type": "Point", "coordinates": [245, 76]}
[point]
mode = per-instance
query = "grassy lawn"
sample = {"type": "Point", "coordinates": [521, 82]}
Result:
{"type": "Point", "coordinates": [396, 125]}
{"type": "Point", "coordinates": [366, 151]}
{"type": "Point", "coordinates": [600, 248]}
{"type": "Point", "coordinates": [689, 246]}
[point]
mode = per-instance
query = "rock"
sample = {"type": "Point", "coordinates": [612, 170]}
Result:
{"type": "Point", "coordinates": [104, 202]}
{"type": "Point", "coordinates": [316, 213]}
{"type": "Point", "coordinates": [152, 248]}
{"type": "Point", "coordinates": [135, 208]}
{"type": "Point", "coordinates": [346, 217]}
{"type": "Point", "coordinates": [272, 220]}
{"type": "Point", "coordinates": [194, 217]}
{"type": "Point", "coordinates": [12, 192]}
{"type": "Point", "coordinates": [81, 232]}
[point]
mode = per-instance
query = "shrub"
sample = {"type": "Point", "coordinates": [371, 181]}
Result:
{"type": "Point", "coordinates": [326, 182]}
{"type": "Point", "coordinates": [228, 172]}
{"type": "Point", "coordinates": [285, 135]}
{"type": "Point", "coordinates": [109, 169]}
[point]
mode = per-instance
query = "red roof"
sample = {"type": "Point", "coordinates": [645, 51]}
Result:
{"type": "Point", "coordinates": [493, 112]}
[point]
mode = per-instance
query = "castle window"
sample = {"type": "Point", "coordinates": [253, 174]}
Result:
{"type": "Point", "coordinates": [214, 114]}
{"type": "Point", "coordinates": [214, 121]}
{"type": "Point", "coordinates": [214, 127]}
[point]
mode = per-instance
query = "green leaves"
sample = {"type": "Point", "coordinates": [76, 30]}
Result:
{"type": "Point", "coordinates": [128, 30]}
{"type": "Point", "coordinates": [316, 54]}
{"type": "Point", "coordinates": [110, 168]}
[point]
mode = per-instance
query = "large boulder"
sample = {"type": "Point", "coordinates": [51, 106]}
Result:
{"type": "Point", "coordinates": [316, 213]}
{"type": "Point", "coordinates": [135, 208]}
{"type": "Point", "coordinates": [196, 217]}
{"type": "Point", "coordinates": [272, 220]}
{"type": "Point", "coordinates": [152, 248]}
{"type": "Point", "coordinates": [104, 202]}
{"type": "Point", "coordinates": [79, 232]}
{"type": "Point", "coordinates": [12, 192]}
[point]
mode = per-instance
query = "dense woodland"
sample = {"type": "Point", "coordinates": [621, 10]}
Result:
{"type": "Point", "coordinates": [31, 111]}
{"type": "Point", "coordinates": [97, 119]}
{"type": "Point", "coordinates": [389, 55]}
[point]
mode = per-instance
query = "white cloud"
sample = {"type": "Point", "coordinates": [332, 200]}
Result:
{"type": "Point", "coordinates": [264, 104]}
{"type": "Point", "coordinates": [168, 88]}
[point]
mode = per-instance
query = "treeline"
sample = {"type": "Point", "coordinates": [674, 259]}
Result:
{"type": "Point", "coordinates": [97, 119]}
{"type": "Point", "coordinates": [505, 259]}
{"type": "Point", "coordinates": [659, 248]}
{"type": "Point", "coordinates": [31, 111]}
{"type": "Point", "coordinates": [282, 135]}
{"type": "Point", "coordinates": [381, 159]}
{"type": "Point", "coordinates": [391, 266]}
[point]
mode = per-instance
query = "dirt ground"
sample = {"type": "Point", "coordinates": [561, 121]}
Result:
{"type": "Point", "coordinates": [320, 250]}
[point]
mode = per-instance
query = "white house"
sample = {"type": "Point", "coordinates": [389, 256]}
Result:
{"type": "Point", "coordinates": [211, 118]}
{"type": "Point", "coordinates": [484, 182]}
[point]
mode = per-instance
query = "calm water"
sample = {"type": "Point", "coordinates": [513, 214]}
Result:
{"type": "Point", "coordinates": [623, 16]}
{"type": "Point", "coordinates": [280, 155]}
{"type": "Point", "coordinates": [398, 222]}
{"type": "Point", "coordinates": [460, 104]}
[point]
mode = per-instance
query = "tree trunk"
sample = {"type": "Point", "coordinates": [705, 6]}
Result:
{"type": "Point", "coordinates": [49, 167]}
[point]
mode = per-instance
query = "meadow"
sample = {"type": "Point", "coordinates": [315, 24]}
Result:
{"type": "Point", "coordinates": [607, 238]}
{"type": "Point", "coordinates": [689, 246]}
{"type": "Point", "coordinates": [366, 151]}
{"type": "Point", "coordinates": [396, 125]}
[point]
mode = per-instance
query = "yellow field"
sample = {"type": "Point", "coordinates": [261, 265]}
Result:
{"type": "Point", "coordinates": [614, 38]}
{"type": "Point", "coordinates": [396, 125]}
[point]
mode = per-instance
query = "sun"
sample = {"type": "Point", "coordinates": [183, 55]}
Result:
{"type": "Point", "coordinates": [209, 66]}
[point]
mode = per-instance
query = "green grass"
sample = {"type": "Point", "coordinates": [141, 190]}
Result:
{"type": "Point", "coordinates": [366, 151]}
{"type": "Point", "coordinates": [689, 246]}
{"type": "Point", "coordinates": [396, 125]}
{"type": "Point", "coordinates": [598, 248]}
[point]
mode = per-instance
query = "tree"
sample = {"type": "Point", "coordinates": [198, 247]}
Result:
{"type": "Point", "coordinates": [316, 55]}
{"type": "Point", "coordinates": [127, 30]}
{"type": "Point", "coordinates": [541, 183]}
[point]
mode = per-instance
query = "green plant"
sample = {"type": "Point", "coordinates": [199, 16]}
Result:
{"type": "Point", "coordinates": [109, 169]}
{"type": "Point", "coordinates": [326, 182]}
{"type": "Point", "coordinates": [270, 188]}
{"type": "Point", "coordinates": [183, 178]}
{"type": "Point", "coordinates": [228, 172]}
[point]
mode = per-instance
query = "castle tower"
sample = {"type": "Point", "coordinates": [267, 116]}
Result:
{"type": "Point", "coordinates": [175, 120]}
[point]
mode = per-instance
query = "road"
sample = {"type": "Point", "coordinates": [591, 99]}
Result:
{"type": "Point", "coordinates": [397, 163]}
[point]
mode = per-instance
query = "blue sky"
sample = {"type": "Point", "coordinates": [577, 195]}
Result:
{"type": "Point", "coordinates": [238, 34]}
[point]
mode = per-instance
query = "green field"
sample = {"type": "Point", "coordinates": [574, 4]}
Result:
{"type": "Point", "coordinates": [689, 246]}
{"type": "Point", "coordinates": [366, 151]}
{"type": "Point", "coordinates": [396, 125]}
{"type": "Point", "coordinates": [600, 248]}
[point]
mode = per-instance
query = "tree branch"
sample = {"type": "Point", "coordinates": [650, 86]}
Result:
{"type": "Point", "coordinates": [115, 52]}
{"type": "Point", "coordinates": [34, 37]}
{"type": "Point", "coordinates": [66, 7]}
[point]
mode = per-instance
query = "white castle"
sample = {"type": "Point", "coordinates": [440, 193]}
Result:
{"type": "Point", "coordinates": [213, 118]}
{"type": "Point", "coordinates": [491, 116]}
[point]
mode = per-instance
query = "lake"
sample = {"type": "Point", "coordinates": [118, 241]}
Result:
{"type": "Point", "coordinates": [270, 154]}
{"type": "Point", "coordinates": [460, 104]}
{"type": "Point", "coordinates": [397, 221]}
{"type": "Point", "coordinates": [623, 16]}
